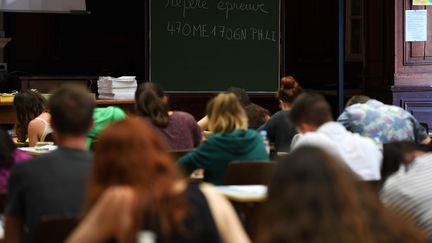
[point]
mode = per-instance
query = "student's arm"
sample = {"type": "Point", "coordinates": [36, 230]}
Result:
{"type": "Point", "coordinates": [113, 215]}
{"type": "Point", "coordinates": [427, 140]}
{"type": "Point", "coordinates": [198, 158]}
{"type": "Point", "coordinates": [227, 222]}
{"type": "Point", "coordinates": [420, 133]}
{"type": "Point", "coordinates": [14, 230]}
{"type": "Point", "coordinates": [270, 127]}
{"type": "Point", "coordinates": [203, 123]}
{"type": "Point", "coordinates": [344, 119]}
{"type": "Point", "coordinates": [33, 130]}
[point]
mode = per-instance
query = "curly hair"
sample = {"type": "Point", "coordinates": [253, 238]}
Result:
{"type": "Point", "coordinates": [28, 105]}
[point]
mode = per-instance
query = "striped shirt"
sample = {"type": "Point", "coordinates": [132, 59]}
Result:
{"type": "Point", "coordinates": [409, 191]}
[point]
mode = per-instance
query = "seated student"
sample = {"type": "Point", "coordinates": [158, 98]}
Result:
{"type": "Point", "coordinates": [135, 186]}
{"type": "Point", "coordinates": [256, 114]}
{"type": "Point", "coordinates": [102, 116]}
{"type": "Point", "coordinates": [397, 153]}
{"type": "Point", "coordinates": [180, 129]}
{"type": "Point", "coordinates": [407, 190]}
{"type": "Point", "coordinates": [33, 119]}
{"type": "Point", "coordinates": [312, 197]}
{"type": "Point", "coordinates": [231, 140]}
{"type": "Point", "coordinates": [384, 123]}
{"type": "Point", "coordinates": [9, 155]}
{"type": "Point", "coordinates": [280, 130]}
{"type": "Point", "coordinates": [313, 118]}
{"type": "Point", "coordinates": [52, 184]}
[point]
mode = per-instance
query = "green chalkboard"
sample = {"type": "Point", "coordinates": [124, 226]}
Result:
{"type": "Point", "coordinates": [210, 45]}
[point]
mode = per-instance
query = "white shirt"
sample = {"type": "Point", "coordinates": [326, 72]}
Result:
{"type": "Point", "coordinates": [409, 191]}
{"type": "Point", "coordinates": [361, 154]}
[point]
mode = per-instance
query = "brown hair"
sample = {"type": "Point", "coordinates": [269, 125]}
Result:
{"type": "Point", "coordinates": [131, 153]}
{"type": "Point", "coordinates": [289, 89]}
{"type": "Point", "coordinates": [357, 99]}
{"type": "Point", "coordinates": [313, 198]}
{"type": "Point", "coordinates": [310, 108]}
{"type": "Point", "coordinates": [226, 114]}
{"type": "Point", "coordinates": [71, 109]}
{"type": "Point", "coordinates": [28, 105]}
{"type": "Point", "coordinates": [149, 103]}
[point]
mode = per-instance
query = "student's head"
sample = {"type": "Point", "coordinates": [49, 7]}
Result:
{"type": "Point", "coordinates": [289, 89]}
{"type": "Point", "coordinates": [312, 197]}
{"type": "Point", "coordinates": [396, 154]}
{"type": "Point", "coordinates": [28, 105]}
{"type": "Point", "coordinates": [257, 115]}
{"type": "Point", "coordinates": [310, 111]}
{"type": "Point", "coordinates": [71, 109]}
{"type": "Point", "coordinates": [357, 99]}
{"type": "Point", "coordinates": [151, 102]}
{"type": "Point", "coordinates": [7, 147]}
{"type": "Point", "coordinates": [226, 114]}
{"type": "Point", "coordinates": [241, 95]}
{"type": "Point", "coordinates": [131, 153]}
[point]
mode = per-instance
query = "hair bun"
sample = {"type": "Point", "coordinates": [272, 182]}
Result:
{"type": "Point", "coordinates": [288, 82]}
{"type": "Point", "coordinates": [288, 89]}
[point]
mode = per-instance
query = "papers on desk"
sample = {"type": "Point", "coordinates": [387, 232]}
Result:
{"type": "Point", "coordinates": [244, 193]}
{"type": "Point", "coordinates": [122, 88]}
{"type": "Point", "coordinates": [39, 149]}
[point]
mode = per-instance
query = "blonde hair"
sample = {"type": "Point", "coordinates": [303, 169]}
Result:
{"type": "Point", "coordinates": [226, 114]}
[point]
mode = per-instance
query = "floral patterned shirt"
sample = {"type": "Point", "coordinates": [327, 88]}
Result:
{"type": "Point", "coordinates": [384, 123]}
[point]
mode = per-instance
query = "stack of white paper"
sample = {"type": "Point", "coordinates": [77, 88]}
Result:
{"type": "Point", "coordinates": [122, 88]}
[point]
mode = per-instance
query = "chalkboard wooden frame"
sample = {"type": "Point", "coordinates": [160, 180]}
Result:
{"type": "Point", "coordinates": [269, 90]}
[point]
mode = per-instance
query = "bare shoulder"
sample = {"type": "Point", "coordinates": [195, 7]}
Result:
{"type": "Point", "coordinates": [35, 124]}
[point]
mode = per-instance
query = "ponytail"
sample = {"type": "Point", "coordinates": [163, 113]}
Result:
{"type": "Point", "coordinates": [149, 103]}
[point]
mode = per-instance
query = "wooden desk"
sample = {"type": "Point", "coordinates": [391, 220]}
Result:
{"type": "Point", "coordinates": [244, 193]}
{"type": "Point", "coordinates": [8, 116]}
{"type": "Point", "coordinates": [7, 113]}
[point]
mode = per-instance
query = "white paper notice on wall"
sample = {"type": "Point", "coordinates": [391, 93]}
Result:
{"type": "Point", "coordinates": [416, 25]}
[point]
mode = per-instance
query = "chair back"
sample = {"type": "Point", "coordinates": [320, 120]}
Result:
{"type": "Point", "coordinates": [249, 172]}
{"type": "Point", "coordinates": [54, 229]}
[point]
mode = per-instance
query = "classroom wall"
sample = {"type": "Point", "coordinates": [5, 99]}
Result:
{"type": "Point", "coordinates": [110, 42]}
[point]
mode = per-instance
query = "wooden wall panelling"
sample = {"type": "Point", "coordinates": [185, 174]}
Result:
{"type": "Point", "coordinates": [413, 60]}
{"type": "Point", "coordinates": [415, 99]}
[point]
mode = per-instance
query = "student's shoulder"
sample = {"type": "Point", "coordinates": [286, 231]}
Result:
{"type": "Point", "coordinates": [183, 115]}
{"type": "Point", "coordinates": [31, 164]}
{"type": "Point", "coordinates": [36, 123]}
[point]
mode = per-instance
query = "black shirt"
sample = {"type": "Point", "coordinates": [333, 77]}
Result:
{"type": "Point", "coordinates": [52, 184]}
{"type": "Point", "coordinates": [280, 130]}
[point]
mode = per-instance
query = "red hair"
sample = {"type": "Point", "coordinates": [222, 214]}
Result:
{"type": "Point", "coordinates": [131, 153]}
{"type": "Point", "coordinates": [289, 89]}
